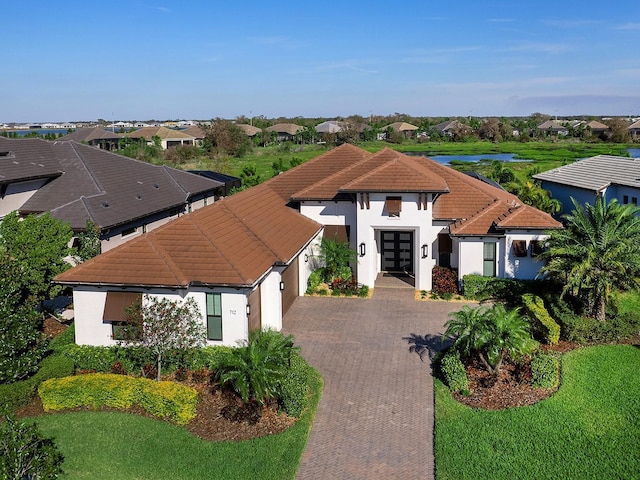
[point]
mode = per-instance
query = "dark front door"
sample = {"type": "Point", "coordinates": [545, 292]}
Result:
{"type": "Point", "coordinates": [397, 251]}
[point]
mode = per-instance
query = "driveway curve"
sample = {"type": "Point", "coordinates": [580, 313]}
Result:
{"type": "Point", "coordinates": [375, 418]}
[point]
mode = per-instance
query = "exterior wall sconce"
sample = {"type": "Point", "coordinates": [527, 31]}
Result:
{"type": "Point", "coordinates": [363, 249]}
{"type": "Point", "coordinates": [306, 258]}
{"type": "Point", "coordinates": [281, 286]}
{"type": "Point", "coordinates": [425, 251]}
{"type": "Point", "coordinates": [248, 309]}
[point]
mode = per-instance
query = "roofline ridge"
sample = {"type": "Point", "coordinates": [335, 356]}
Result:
{"type": "Point", "coordinates": [73, 144]}
{"type": "Point", "coordinates": [165, 257]}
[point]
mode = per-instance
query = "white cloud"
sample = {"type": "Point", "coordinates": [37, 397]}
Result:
{"type": "Point", "coordinates": [628, 26]}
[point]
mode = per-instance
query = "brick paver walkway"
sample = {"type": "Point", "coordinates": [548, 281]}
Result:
{"type": "Point", "coordinates": [375, 419]}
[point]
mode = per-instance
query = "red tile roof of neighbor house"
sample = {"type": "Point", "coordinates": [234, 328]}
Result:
{"type": "Point", "coordinates": [236, 240]}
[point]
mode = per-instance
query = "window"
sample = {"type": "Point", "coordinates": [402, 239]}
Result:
{"type": "Point", "coordinates": [393, 206]}
{"type": "Point", "coordinates": [625, 199]}
{"type": "Point", "coordinates": [115, 310]}
{"type": "Point", "coordinates": [520, 248]}
{"type": "Point", "coordinates": [537, 247]}
{"type": "Point", "coordinates": [214, 316]}
{"type": "Point", "coordinates": [634, 200]}
{"type": "Point", "coordinates": [489, 259]}
{"type": "Point", "coordinates": [128, 231]}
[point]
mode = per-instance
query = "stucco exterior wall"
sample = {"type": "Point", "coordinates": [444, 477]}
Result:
{"type": "Point", "coordinates": [471, 255]}
{"type": "Point", "coordinates": [89, 302]}
{"type": "Point", "coordinates": [271, 300]}
{"type": "Point", "coordinates": [17, 194]}
{"type": "Point", "coordinates": [524, 268]}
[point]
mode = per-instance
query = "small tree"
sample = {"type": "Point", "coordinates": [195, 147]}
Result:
{"type": "Point", "coordinates": [162, 325]}
{"type": "Point", "coordinates": [25, 454]}
{"type": "Point", "coordinates": [89, 242]}
{"type": "Point", "coordinates": [22, 345]}
{"type": "Point", "coordinates": [39, 245]}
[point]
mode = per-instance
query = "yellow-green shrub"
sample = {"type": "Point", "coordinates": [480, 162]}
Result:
{"type": "Point", "coordinates": [160, 399]}
{"type": "Point", "coordinates": [543, 322]}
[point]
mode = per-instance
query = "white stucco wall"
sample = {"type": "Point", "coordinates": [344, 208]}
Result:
{"type": "Point", "coordinates": [271, 300]}
{"type": "Point", "coordinates": [89, 304]}
{"type": "Point", "coordinates": [525, 268]}
{"type": "Point", "coordinates": [17, 194]}
{"type": "Point", "coordinates": [471, 255]}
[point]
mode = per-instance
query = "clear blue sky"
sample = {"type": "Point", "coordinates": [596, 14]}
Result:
{"type": "Point", "coordinates": [82, 60]}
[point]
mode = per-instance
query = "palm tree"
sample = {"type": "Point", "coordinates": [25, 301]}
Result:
{"type": "Point", "coordinates": [597, 253]}
{"type": "Point", "coordinates": [490, 333]}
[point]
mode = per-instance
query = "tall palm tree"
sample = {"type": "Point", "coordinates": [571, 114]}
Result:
{"type": "Point", "coordinates": [597, 253]}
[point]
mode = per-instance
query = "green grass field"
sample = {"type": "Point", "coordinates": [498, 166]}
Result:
{"type": "Point", "coordinates": [589, 429]}
{"type": "Point", "coordinates": [111, 445]}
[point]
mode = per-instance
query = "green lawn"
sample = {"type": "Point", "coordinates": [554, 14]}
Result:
{"type": "Point", "coordinates": [590, 429]}
{"type": "Point", "coordinates": [630, 301]}
{"type": "Point", "coordinates": [105, 445]}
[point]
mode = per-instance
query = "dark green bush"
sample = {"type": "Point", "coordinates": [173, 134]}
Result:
{"type": "Point", "coordinates": [25, 453]}
{"type": "Point", "coordinates": [65, 338]}
{"type": "Point", "coordinates": [293, 386]}
{"type": "Point", "coordinates": [510, 290]}
{"type": "Point", "coordinates": [315, 279]}
{"type": "Point", "coordinates": [18, 394]}
{"type": "Point", "coordinates": [453, 372]}
{"type": "Point", "coordinates": [363, 291]}
{"type": "Point", "coordinates": [542, 321]}
{"type": "Point", "coordinates": [545, 369]}
{"type": "Point", "coordinates": [586, 330]}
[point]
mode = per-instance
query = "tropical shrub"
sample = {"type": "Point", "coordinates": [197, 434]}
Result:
{"type": "Point", "coordinates": [315, 279]}
{"type": "Point", "coordinates": [161, 399]}
{"type": "Point", "coordinates": [545, 369]}
{"type": "Point", "coordinates": [25, 453]}
{"type": "Point", "coordinates": [491, 334]}
{"type": "Point", "coordinates": [542, 321]}
{"type": "Point", "coordinates": [363, 292]}
{"type": "Point", "coordinates": [254, 369]}
{"type": "Point", "coordinates": [510, 290]}
{"type": "Point", "coordinates": [586, 330]}
{"type": "Point", "coordinates": [453, 372]}
{"type": "Point", "coordinates": [335, 255]}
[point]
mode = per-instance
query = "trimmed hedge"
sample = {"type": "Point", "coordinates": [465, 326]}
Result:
{"type": "Point", "coordinates": [477, 287]}
{"type": "Point", "coordinates": [160, 399]}
{"type": "Point", "coordinates": [293, 386]}
{"type": "Point", "coordinates": [545, 370]}
{"type": "Point", "coordinates": [453, 372]}
{"type": "Point", "coordinates": [17, 394]}
{"type": "Point", "coordinates": [543, 323]}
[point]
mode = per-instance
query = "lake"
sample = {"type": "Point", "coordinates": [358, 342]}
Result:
{"type": "Point", "coordinates": [446, 159]}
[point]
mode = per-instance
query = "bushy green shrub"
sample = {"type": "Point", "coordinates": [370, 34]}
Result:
{"type": "Point", "coordinates": [542, 321]}
{"type": "Point", "coordinates": [206, 357]}
{"type": "Point", "coordinates": [584, 330]}
{"type": "Point", "coordinates": [293, 386]}
{"type": "Point", "coordinates": [363, 291]}
{"type": "Point", "coordinates": [25, 453]}
{"type": "Point", "coordinates": [20, 393]}
{"type": "Point", "coordinates": [344, 272]}
{"type": "Point", "coordinates": [477, 287]}
{"type": "Point", "coordinates": [315, 278]}
{"type": "Point", "coordinates": [453, 372]}
{"type": "Point", "coordinates": [89, 357]}
{"type": "Point", "coordinates": [161, 399]}
{"type": "Point", "coordinates": [545, 368]}
{"type": "Point", "coordinates": [65, 338]}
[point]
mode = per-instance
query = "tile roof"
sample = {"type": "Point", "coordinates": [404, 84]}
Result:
{"type": "Point", "coordinates": [596, 173]}
{"type": "Point", "coordinates": [95, 184]}
{"type": "Point", "coordinates": [163, 132]}
{"type": "Point", "coordinates": [236, 240]}
{"type": "Point", "coordinates": [89, 134]}
{"type": "Point", "coordinates": [290, 128]}
{"type": "Point", "coordinates": [401, 127]}
{"type": "Point", "coordinates": [249, 130]}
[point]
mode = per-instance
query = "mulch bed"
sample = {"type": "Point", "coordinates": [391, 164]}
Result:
{"type": "Point", "coordinates": [511, 388]}
{"type": "Point", "coordinates": [220, 416]}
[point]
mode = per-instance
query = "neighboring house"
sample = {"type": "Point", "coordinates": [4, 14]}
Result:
{"type": "Point", "coordinates": [596, 128]}
{"type": "Point", "coordinates": [246, 258]}
{"type": "Point", "coordinates": [451, 128]}
{"type": "Point", "coordinates": [634, 129]}
{"type": "Point", "coordinates": [168, 138]}
{"type": "Point", "coordinates": [75, 183]}
{"type": "Point", "coordinates": [552, 128]}
{"type": "Point", "coordinates": [96, 137]}
{"type": "Point", "coordinates": [285, 131]}
{"type": "Point", "coordinates": [196, 132]}
{"type": "Point", "coordinates": [228, 182]}
{"type": "Point", "coordinates": [600, 176]}
{"type": "Point", "coordinates": [249, 130]}
{"type": "Point", "coordinates": [402, 127]}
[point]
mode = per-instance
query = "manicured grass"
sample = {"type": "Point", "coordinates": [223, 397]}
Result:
{"type": "Point", "coordinates": [630, 302]}
{"type": "Point", "coordinates": [105, 445]}
{"type": "Point", "coordinates": [590, 428]}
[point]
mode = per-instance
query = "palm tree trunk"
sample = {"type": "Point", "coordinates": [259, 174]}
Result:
{"type": "Point", "coordinates": [600, 309]}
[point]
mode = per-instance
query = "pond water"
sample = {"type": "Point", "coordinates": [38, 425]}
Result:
{"type": "Point", "coordinates": [446, 159]}
{"type": "Point", "coordinates": [634, 152]}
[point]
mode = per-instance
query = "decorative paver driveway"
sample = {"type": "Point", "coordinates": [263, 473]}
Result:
{"type": "Point", "coordinates": [375, 418]}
